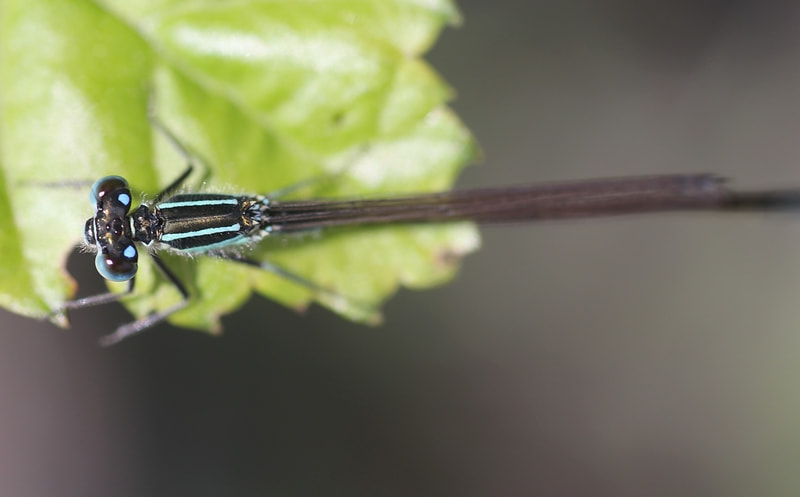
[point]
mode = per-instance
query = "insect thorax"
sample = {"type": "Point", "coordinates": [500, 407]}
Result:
{"type": "Point", "coordinates": [200, 222]}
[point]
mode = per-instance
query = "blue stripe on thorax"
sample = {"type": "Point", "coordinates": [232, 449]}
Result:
{"type": "Point", "coordinates": [168, 237]}
{"type": "Point", "coordinates": [198, 203]}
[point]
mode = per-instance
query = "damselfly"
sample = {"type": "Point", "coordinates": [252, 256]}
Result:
{"type": "Point", "coordinates": [222, 224]}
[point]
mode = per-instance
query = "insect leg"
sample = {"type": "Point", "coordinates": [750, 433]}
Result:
{"type": "Point", "coordinates": [153, 319]}
{"type": "Point", "coordinates": [94, 300]}
{"type": "Point", "coordinates": [180, 148]}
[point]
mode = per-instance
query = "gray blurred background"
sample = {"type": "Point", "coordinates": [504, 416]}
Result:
{"type": "Point", "coordinates": [654, 356]}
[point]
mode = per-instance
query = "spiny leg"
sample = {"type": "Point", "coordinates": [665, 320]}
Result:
{"type": "Point", "coordinates": [330, 177]}
{"type": "Point", "coordinates": [155, 318]}
{"type": "Point", "coordinates": [68, 183]}
{"type": "Point", "coordinates": [94, 300]}
{"type": "Point", "coordinates": [179, 147]}
{"type": "Point", "coordinates": [176, 184]}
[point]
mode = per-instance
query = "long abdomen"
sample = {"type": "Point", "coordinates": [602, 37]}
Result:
{"type": "Point", "coordinates": [579, 199]}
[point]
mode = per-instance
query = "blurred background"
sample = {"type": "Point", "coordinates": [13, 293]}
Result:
{"type": "Point", "coordinates": [653, 356]}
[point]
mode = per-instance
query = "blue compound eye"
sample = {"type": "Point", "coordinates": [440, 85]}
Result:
{"type": "Point", "coordinates": [115, 185]}
{"type": "Point", "coordinates": [118, 268]}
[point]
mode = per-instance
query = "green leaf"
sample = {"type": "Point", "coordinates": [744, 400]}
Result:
{"type": "Point", "coordinates": [268, 94]}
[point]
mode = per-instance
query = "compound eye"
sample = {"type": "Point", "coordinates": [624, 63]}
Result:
{"type": "Point", "coordinates": [114, 186]}
{"type": "Point", "coordinates": [120, 268]}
